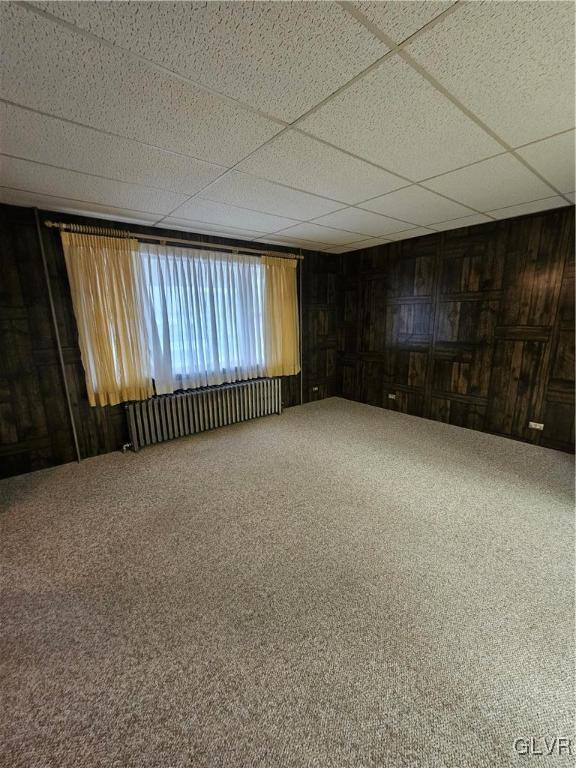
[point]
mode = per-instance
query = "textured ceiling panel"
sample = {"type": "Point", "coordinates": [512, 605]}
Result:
{"type": "Point", "coordinates": [201, 227]}
{"type": "Point", "coordinates": [362, 222]}
{"type": "Point", "coordinates": [261, 195]}
{"type": "Point", "coordinates": [59, 72]}
{"type": "Point", "coordinates": [164, 97]}
{"type": "Point", "coordinates": [533, 207]}
{"type": "Point", "coordinates": [408, 233]}
{"type": "Point", "coordinates": [360, 245]}
{"type": "Point", "coordinates": [554, 159]}
{"type": "Point", "coordinates": [50, 140]}
{"type": "Point", "coordinates": [401, 18]}
{"type": "Point", "coordinates": [317, 234]}
{"type": "Point", "coordinates": [465, 221]}
{"type": "Point", "coordinates": [417, 206]}
{"type": "Point", "coordinates": [62, 204]}
{"type": "Point", "coordinates": [281, 58]}
{"type": "Point", "coordinates": [291, 241]}
{"type": "Point", "coordinates": [300, 161]}
{"type": "Point", "coordinates": [43, 179]}
{"type": "Point", "coordinates": [494, 183]}
{"type": "Point", "coordinates": [510, 63]}
{"type": "Point", "coordinates": [210, 212]}
{"type": "Point", "coordinates": [396, 119]}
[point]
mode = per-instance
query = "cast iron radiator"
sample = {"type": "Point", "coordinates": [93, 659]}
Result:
{"type": "Point", "coordinates": [166, 417]}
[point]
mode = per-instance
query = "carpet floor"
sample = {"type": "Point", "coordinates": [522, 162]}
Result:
{"type": "Point", "coordinates": [338, 587]}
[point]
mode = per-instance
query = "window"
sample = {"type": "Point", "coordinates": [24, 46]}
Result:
{"type": "Point", "coordinates": [180, 318]}
{"type": "Point", "coordinates": [204, 315]}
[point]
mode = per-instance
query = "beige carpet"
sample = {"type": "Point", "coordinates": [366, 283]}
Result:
{"type": "Point", "coordinates": [340, 586]}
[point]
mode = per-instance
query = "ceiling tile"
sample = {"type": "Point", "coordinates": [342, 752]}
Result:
{"type": "Point", "coordinates": [465, 221]}
{"type": "Point", "coordinates": [408, 233]}
{"type": "Point", "coordinates": [360, 221]}
{"type": "Point", "coordinates": [554, 159]}
{"type": "Point", "coordinates": [201, 227]}
{"type": "Point", "coordinates": [416, 206]}
{"type": "Point", "coordinates": [43, 179]}
{"type": "Point", "coordinates": [317, 234]}
{"type": "Point", "coordinates": [511, 63]}
{"type": "Point", "coordinates": [361, 244]}
{"type": "Point", "coordinates": [199, 210]}
{"type": "Point", "coordinates": [400, 18]}
{"type": "Point", "coordinates": [54, 70]}
{"type": "Point", "coordinates": [294, 242]}
{"type": "Point", "coordinates": [64, 205]}
{"type": "Point", "coordinates": [281, 58]}
{"type": "Point", "coordinates": [532, 207]}
{"type": "Point", "coordinates": [261, 195]}
{"type": "Point", "coordinates": [491, 184]}
{"type": "Point", "coordinates": [46, 139]}
{"type": "Point", "coordinates": [300, 161]}
{"type": "Point", "coordinates": [396, 119]}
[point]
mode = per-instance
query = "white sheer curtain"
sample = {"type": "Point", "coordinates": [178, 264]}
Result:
{"type": "Point", "coordinates": [204, 316]}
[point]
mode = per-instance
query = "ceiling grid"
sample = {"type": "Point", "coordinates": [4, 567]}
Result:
{"type": "Point", "coordinates": [285, 168]}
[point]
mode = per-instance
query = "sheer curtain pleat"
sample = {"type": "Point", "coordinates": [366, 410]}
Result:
{"type": "Point", "coordinates": [204, 316]}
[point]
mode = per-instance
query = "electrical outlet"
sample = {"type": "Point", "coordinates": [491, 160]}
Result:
{"type": "Point", "coordinates": [536, 425]}
{"type": "Point", "coordinates": [314, 389]}
{"type": "Point", "coordinates": [391, 396]}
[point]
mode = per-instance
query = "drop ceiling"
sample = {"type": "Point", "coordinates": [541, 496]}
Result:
{"type": "Point", "coordinates": [322, 125]}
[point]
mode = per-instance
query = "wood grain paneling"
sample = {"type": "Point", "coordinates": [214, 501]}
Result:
{"type": "Point", "coordinates": [35, 430]}
{"type": "Point", "coordinates": [320, 291]}
{"type": "Point", "coordinates": [473, 327]}
{"type": "Point", "coordinates": [558, 407]}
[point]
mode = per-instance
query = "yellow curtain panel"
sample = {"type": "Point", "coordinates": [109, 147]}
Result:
{"type": "Point", "coordinates": [104, 274]}
{"type": "Point", "coordinates": [281, 328]}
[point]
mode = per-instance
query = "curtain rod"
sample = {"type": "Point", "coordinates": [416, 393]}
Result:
{"type": "Point", "coordinates": [86, 229]}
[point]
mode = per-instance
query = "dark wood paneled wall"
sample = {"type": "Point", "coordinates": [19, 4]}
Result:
{"type": "Point", "coordinates": [35, 427]}
{"type": "Point", "coordinates": [320, 312]}
{"type": "Point", "coordinates": [473, 327]}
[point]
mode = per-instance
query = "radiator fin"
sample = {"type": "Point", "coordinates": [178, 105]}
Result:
{"type": "Point", "coordinates": [185, 413]}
